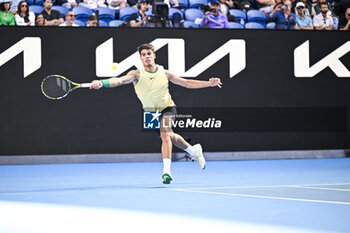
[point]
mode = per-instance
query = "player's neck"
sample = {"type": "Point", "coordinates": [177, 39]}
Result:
{"type": "Point", "coordinates": [151, 68]}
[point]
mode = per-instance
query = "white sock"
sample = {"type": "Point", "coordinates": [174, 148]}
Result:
{"type": "Point", "coordinates": [190, 149]}
{"type": "Point", "coordinates": [166, 166]}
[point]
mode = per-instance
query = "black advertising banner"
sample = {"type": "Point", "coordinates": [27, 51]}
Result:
{"type": "Point", "coordinates": [282, 90]}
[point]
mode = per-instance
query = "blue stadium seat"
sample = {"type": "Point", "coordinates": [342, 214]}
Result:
{"type": "Point", "coordinates": [175, 10]}
{"type": "Point", "coordinates": [102, 23]}
{"type": "Point", "coordinates": [36, 9]}
{"type": "Point", "coordinates": [30, 2]}
{"type": "Point", "coordinates": [149, 12]}
{"type": "Point", "coordinates": [256, 16]}
{"type": "Point", "coordinates": [254, 25]}
{"type": "Point", "coordinates": [336, 23]}
{"type": "Point", "coordinates": [82, 13]}
{"type": "Point", "coordinates": [80, 23]}
{"type": "Point", "coordinates": [39, 2]}
{"type": "Point", "coordinates": [125, 12]}
{"type": "Point", "coordinates": [189, 24]}
{"type": "Point", "coordinates": [193, 14]}
{"type": "Point", "coordinates": [183, 3]}
{"type": "Point", "coordinates": [238, 14]}
{"type": "Point", "coordinates": [271, 25]}
{"type": "Point", "coordinates": [63, 10]}
{"type": "Point", "coordinates": [235, 25]}
{"type": "Point", "coordinates": [116, 23]}
{"type": "Point", "coordinates": [197, 3]}
{"type": "Point", "coordinates": [106, 14]}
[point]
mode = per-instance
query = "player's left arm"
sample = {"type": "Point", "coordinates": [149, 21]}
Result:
{"type": "Point", "coordinates": [191, 83]}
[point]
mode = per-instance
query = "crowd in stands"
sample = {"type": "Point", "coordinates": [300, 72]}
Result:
{"type": "Point", "coordinates": [257, 14]}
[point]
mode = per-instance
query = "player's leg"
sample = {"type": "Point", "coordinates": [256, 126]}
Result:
{"type": "Point", "coordinates": [179, 141]}
{"type": "Point", "coordinates": [195, 151]}
{"type": "Point", "coordinates": [167, 146]}
{"type": "Point", "coordinates": [169, 138]}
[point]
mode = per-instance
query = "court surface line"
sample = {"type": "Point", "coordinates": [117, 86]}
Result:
{"type": "Point", "coordinates": [331, 189]}
{"type": "Point", "coordinates": [268, 186]}
{"type": "Point", "coordinates": [262, 196]}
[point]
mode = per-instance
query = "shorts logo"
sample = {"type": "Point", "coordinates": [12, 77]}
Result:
{"type": "Point", "coordinates": [151, 120]}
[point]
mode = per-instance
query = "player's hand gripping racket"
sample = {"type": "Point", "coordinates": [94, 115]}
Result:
{"type": "Point", "coordinates": [57, 87]}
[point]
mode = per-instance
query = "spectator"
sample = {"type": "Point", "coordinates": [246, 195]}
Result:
{"type": "Point", "coordinates": [70, 17]}
{"type": "Point", "coordinates": [131, 3]}
{"type": "Point", "coordinates": [68, 3]}
{"type": "Point", "coordinates": [6, 17]}
{"type": "Point", "coordinates": [225, 6]}
{"type": "Point", "coordinates": [172, 3]}
{"type": "Point", "coordinates": [340, 7]}
{"type": "Point", "coordinates": [214, 18]}
{"type": "Point", "coordinates": [282, 16]}
{"type": "Point", "coordinates": [265, 6]}
{"type": "Point", "coordinates": [14, 6]}
{"type": "Point", "coordinates": [93, 4]}
{"type": "Point", "coordinates": [323, 21]}
{"type": "Point", "coordinates": [344, 24]}
{"type": "Point", "coordinates": [39, 20]}
{"type": "Point", "coordinates": [52, 17]}
{"type": "Point", "coordinates": [116, 4]}
{"type": "Point", "coordinates": [302, 21]}
{"type": "Point", "coordinates": [243, 5]}
{"type": "Point", "coordinates": [24, 16]}
{"type": "Point", "coordinates": [92, 21]}
{"type": "Point", "coordinates": [307, 6]}
{"type": "Point", "coordinates": [317, 8]}
{"type": "Point", "coordinates": [139, 19]}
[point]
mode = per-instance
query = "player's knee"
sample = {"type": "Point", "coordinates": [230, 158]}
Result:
{"type": "Point", "coordinates": [166, 136]}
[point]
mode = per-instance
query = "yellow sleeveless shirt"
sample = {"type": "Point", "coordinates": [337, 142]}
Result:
{"type": "Point", "coordinates": [152, 90]}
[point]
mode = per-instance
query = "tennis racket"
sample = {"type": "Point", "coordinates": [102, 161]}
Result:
{"type": "Point", "coordinates": [56, 86]}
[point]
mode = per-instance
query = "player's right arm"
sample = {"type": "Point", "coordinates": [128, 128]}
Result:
{"type": "Point", "coordinates": [131, 76]}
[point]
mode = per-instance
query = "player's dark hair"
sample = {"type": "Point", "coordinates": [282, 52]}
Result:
{"type": "Point", "coordinates": [145, 46]}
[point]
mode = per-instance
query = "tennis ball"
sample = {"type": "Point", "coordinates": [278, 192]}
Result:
{"type": "Point", "coordinates": [114, 66]}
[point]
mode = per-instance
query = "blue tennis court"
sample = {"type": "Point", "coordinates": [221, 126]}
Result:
{"type": "Point", "coordinates": [302, 195]}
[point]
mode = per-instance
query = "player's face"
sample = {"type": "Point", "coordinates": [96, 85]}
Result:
{"type": "Point", "coordinates": [147, 57]}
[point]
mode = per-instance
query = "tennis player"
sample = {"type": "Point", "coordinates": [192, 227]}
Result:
{"type": "Point", "coordinates": [151, 87]}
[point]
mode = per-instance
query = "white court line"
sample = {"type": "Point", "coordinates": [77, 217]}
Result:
{"type": "Point", "coordinates": [268, 186]}
{"type": "Point", "coordinates": [262, 196]}
{"type": "Point", "coordinates": [331, 189]}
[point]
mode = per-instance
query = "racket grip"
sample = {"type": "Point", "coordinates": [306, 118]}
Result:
{"type": "Point", "coordinates": [85, 85]}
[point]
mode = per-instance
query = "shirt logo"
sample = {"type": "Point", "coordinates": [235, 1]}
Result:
{"type": "Point", "coordinates": [151, 120]}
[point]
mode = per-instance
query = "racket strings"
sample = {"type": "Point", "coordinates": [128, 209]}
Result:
{"type": "Point", "coordinates": [56, 87]}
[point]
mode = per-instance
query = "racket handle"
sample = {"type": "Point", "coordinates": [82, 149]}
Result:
{"type": "Point", "coordinates": [85, 85]}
